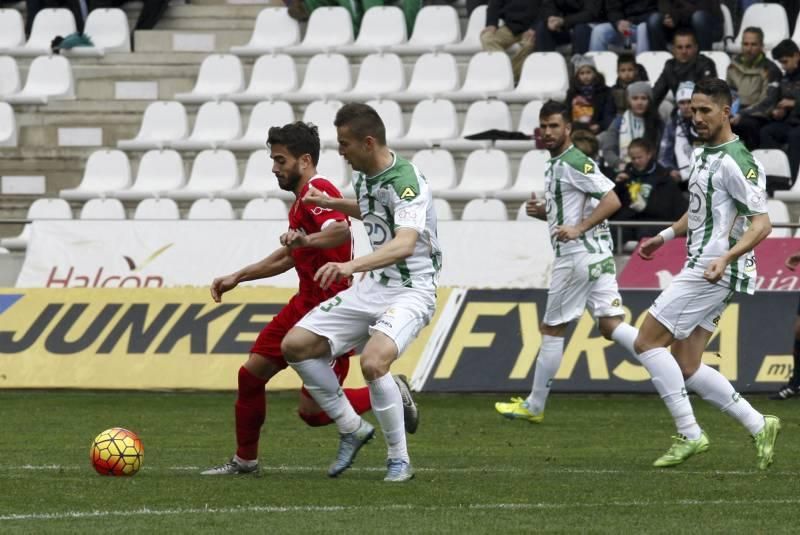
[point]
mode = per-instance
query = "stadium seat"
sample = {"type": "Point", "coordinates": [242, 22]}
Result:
{"type": "Point", "coordinates": [727, 28]}
{"type": "Point", "coordinates": [103, 209]}
{"type": "Point", "coordinates": [157, 209]}
{"type": "Point", "coordinates": [264, 85]}
{"type": "Point", "coordinates": [606, 63]}
{"type": "Point", "coordinates": [775, 162]}
{"type": "Point", "coordinates": [322, 113]}
{"type": "Point", "coordinates": [432, 121]}
{"type": "Point", "coordinates": [258, 180]}
{"type": "Point", "coordinates": [49, 78]}
{"type": "Point", "coordinates": [444, 212]}
{"type": "Point", "coordinates": [488, 74]}
{"type": "Point", "coordinates": [653, 62]}
{"type": "Point", "coordinates": [380, 74]}
{"type": "Point", "coordinates": [486, 172]}
{"type": "Point", "coordinates": [534, 85]}
{"type": "Point", "coordinates": [721, 61]}
{"type": "Point", "coordinates": [438, 168]}
{"type": "Point", "coordinates": [522, 215]}
{"type": "Point", "coordinates": [265, 209]}
{"type": "Point", "coordinates": [434, 28]}
{"type": "Point", "coordinates": [392, 116]}
{"type": "Point", "coordinates": [484, 210]}
{"type": "Point", "coordinates": [382, 28]}
{"type": "Point", "coordinates": [771, 18]}
{"type": "Point", "coordinates": [215, 124]}
{"type": "Point", "coordinates": [106, 171]}
{"type": "Point", "coordinates": [530, 177]}
{"type": "Point", "coordinates": [213, 171]}
{"type": "Point", "coordinates": [8, 126]}
{"type": "Point", "coordinates": [778, 213]}
{"type": "Point", "coordinates": [219, 76]}
{"type": "Point", "coordinates": [274, 29]}
{"type": "Point", "coordinates": [9, 76]}
{"type": "Point", "coordinates": [328, 28]}
{"type": "Point", "coordinates": [481, 116]}
{"type": "Point", "coordinates": [159, 171]}
{"type": "Point", "coordinates": [39, 209]}
{"type": "Point", "coordinates": [49, 23]}
{"type": "Point", "coordinates": [332, 166]}
{"type": "Point", "coordinates": [215, 209]}
{"type": "Point", "coordinates": [12, 29]}
{"type": "Point", "coordinates": [471, 44]}
{"type": "Point", "coordinates": [108, 29]}
{"type": "Point", "coordinates": [796, 34]}
{"type": "Point", "coordinates": [792, 194]}
{"type": "Point", "coordinates": [163, 123]}
{"type": "Point", "coordinates": [264, 116]}
{"type": "Point", "coordinates": [528, 123]}
{"type": "Point", "coordinates": [327, 75]}
{"type": "Point", "coordinates": [434, 74]}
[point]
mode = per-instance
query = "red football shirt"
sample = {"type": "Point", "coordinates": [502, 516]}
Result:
{"type": "Point", "coordinates": [310, 219]}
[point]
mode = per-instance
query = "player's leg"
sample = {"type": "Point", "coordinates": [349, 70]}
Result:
{"type": "Point", "coordinates": [311, 413]}
{"type": "Point", "coordinates": [792, 388]}
{"type": "Point", "coordinates": [605, 304]}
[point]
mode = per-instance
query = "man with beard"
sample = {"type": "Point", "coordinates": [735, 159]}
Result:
{"type": "Point", "coordinates": [315, 237]}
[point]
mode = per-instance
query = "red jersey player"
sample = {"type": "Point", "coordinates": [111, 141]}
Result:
{"type": "Point", "coordinates": [315, 237]}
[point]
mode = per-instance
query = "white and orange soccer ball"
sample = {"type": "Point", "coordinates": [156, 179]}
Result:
{"type": "Point", "coordinates": [117, 452]}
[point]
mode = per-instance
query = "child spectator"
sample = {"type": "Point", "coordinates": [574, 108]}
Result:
{"type": "Point", "coordinates": [589, 99]}
{"type": "Point", "coordinates": [628, 71]}
{"type": "Point", "coordinates": [679, 137]}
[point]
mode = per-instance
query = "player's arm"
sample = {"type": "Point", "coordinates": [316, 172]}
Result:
{"type": "Point", "coordinates": [679, 228]}
{"type": "Point", "coordinates": [607, 206]}
{"type": "Point", "coordinates": [318, 198]}
{"type": "Point", "coordinates": [760, 227]}
{"type": "Point", "coordinates": [333, 234]}
{"type": "Point", "coordinates": [278, 262]}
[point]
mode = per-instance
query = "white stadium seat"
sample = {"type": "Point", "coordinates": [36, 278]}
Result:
{"type": "Point", "coordinates": [103, 209]}
{"type": "Point", "coordinates": [434, 74]}
{"type": "Point", "coordinates": [721, 61]}
{"type": "Point", "coordinates": [796, 34]}
{"type": "Point", "coordinates": [438, 168]}
{"type": "Point", "coordinates": [274, 30]}
{"type": "Point", "coordinates": [108, 29]}
{"type": "Point", "coordinates": [379, 74]}
{"type": "Point", "coordinates": [159, 171]}
{"type": "Point", "coordinates": [215, 124]}
{"type": "Point", "coordinates": [488, 74]}
{"type": "Point", "coordinates": [486, 171]}
{"type": "Point", "coordinates": [39, 209]}
{"type": "Point", "coordinates": [328, 28]}
{"type": "Point", "coordinates": [382, 28]}
{"type": "Point", "coordinates": [258, 180]}
{"type": "Point", "coordinates": [8, 126]}
{"type": "Point", "coordinates": [530, 177]}
{"type": "Point", "coordinates": [528, 123]}
{"type": "Point", "coordinates": [265, 209]}
{"type": "Point", "coordinates": [392, 116]}
{"type": "Point", "coordinates": [9, 76]}
{"type": "Point", "coordinates": [106, 171]}
{"type": "Point", "coordinates": [214, 209]}
{"type": "Point", "coordinates": [771, 18]}
{"type": "Point", "coordinates": [775, 162]}
{"type": "Point", "coordinates": [779, 213]}
{"type": "Point", "coordinates": [522, 215]}
{"type": "Point", "coordinates": [332, 166]}
{"type": "Point", "coordinates": [444, 212]}
{"type": "Point", "coordinates": [219, 76]}
{"type": "Point", "coordinates": [164, 122]}
{"type": "Point", "coordinates": [432, 121]}
{"type": "Point", "coordinates": [49, 78]}
{"type": "Point", "coordinates": [653, 62]}
{"type": "Point", "coordinates": [48, 24]}
{"type": "Point", "coordinates": [322, 113]}
{"type": "Point", "coordinates": [606, 63]}
{"type": "Point", "coordinates": [484, 210]}
{"type": "Point", "coordinates": [471, 44]}
{"type": "Point", "coordinates": [264, 84]}
{"type": "Point", "coordinates": [213, 171]}
{"type": "Point", "coordinates": [481, 116]}
{"type": "Point", "coordinates": [327, 75]}
{"type": "Point", "coordinates": [434, 28]}
{"type": "Point", "coordinates": [264, 116]}
{"type": "Point", "coordinates": [727, 28]}
{"type": "Point", "coordinates": [535, 84]}
{"type": "Point", "coordinates": [157, 209]}
{"type": "Point", "coordinates": [12, 29]}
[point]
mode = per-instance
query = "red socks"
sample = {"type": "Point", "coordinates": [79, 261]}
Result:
{"type": "Point", "coordinates": [251, 410]}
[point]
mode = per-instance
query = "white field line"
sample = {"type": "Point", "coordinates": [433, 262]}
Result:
{"type": "Point", "coordinates": [146, 511]}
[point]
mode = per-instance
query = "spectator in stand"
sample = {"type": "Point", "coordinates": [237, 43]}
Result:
{"type": "Point", "coordinates": [589, 99]}
{"type": "Point", "coordinates": [678, 141]}
{"type": "Point", "coordinates": [785, 125]}
{"type": "Point", "coordinates": [627, 26]}
{"type": "Point", "coordinates": [686, 65]}
{"type": "Point", "coordinates": [628, 71]}
{"type": "Point", "coordinates": [641, 120]}
{"type": "Point", "coordinates": [586, 143]}
{"type": "Point", "coordinates": [756, 80]}
{"type": "Point", "coordinates": [704, 17]}
{"type": "Point", "coordinates": [566, 21]}
{"type": "Point", "coordinates": [519, 17]}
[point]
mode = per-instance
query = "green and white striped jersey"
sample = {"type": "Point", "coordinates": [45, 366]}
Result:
{"type": "Point", "coordinates": [573, 187]}
{"type": "Point", "coordinates": [399, 197]}
{"type": "Point", "coordinates": [726, 185]}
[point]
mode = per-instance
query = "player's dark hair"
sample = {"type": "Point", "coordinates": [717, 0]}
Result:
{"type": "Point", "coordinates": [299, 138]}
{"type": "Point", "coordinates": [718, 90]}
{"type": "Point", "coordinates": [685, 32]}
{"type": "Point", "coordinates": [785, 49]}
{"type": "Point", "coordinates": [552, 107]}
{"type": "Point", "coordinates": [622, 59]}
{"type": "Point", "coordinates": [644, 144]}
{"type": "Point", "coordinates": [756, 30]}
{"type": "Point", "coordinates": [362, 120]}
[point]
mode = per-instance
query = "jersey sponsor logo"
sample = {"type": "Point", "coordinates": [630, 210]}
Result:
{"type": "Point", "coordinates": [408, 193]}
{"type": "Point", "coordinates": [408, 213]}
{"type": "Point", "coordinates": [697, 212]}
{"type": "Point", "coordinates": [759, 200]}
{"type": "Point", "coordinates": [587, 168]}
{"type": "Point", "coordinates": [377, 229]}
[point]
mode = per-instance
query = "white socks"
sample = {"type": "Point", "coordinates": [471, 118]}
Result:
{"type": "Point", "coordinates": [668, 380]}
{"type": "Point", "coordinates": [321, 383]}
{"type": "Point", "coordinates": [387, 406]}
{"type": "Point", "coordinates": [713, 387]}
{"type": "Point", "coordinates": [625, 335]}
{"type": "Point", "coordinates": [547, 363]}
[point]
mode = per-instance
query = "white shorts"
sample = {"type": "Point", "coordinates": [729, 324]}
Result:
{"type": "Point", "coordinates": [690, 301]}
{"type": "Point", "coordinates": [349, 318]}
{"type": "Point", "coordinates": [580, 281]}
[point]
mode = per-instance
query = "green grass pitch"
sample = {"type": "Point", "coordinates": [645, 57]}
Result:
{"type": "Point", "coordinates": [585, 469]}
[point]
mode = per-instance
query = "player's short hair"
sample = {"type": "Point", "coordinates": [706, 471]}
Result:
{"type": "Point", "coordinates": [644, 144]}
{"type": "Point", "coordinates": [785, 49]}
{"type": "Point", "coordinates": [717, 89]}
{"type": "Point", "coordinates": [552, 107]}
{"type": "Point", "coordinates": [756, 30]}
{"type": "Point", "coordinates": [622, 59]}
{"type": "Point", "coordinates": [362, 120]}
{"type": "Point", "coordinates": [299, 138]}
{"type": "Point", "coordinates": [684, 32]}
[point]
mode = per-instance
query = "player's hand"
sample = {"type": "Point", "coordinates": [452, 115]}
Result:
{"type": "Point", "coordinates": [567, 233]}
{"type": "Point", "coordinates": [332, 272]}
{"type": "Point", "coordinates": [294, 239]}
{"type": "Point", "coordinates": [715, 270]}
{"type": "Point", "coordinates": [793, 261]}
{"type": "Point", "coordinates": [535, 208]}
{"type": "Point", "coordinates": [222, 285]}
{"type": "Point", "coordinates": [315, 197]}
{"type": "Point", "coordinates": [650, 246]}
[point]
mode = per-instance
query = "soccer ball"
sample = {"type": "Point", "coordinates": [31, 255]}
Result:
{"type": "Point", "coordinates": [117, 452]}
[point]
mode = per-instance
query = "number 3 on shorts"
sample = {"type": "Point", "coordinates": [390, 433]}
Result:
{"type": "Point", "coordinates": [330, 304]}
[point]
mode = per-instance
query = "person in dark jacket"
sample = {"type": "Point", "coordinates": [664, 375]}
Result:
{"type": "Point", "coordinates": [627, 25]}
{"type": "Point", "coordinates": [785, 125]}
{"type": "Point", "coordinates": [566, 21]}
{"type": "Point", "coordinates": [704, 17]}
{"type": "Point", "coordinates": [686, 65]}
{"type": "Point", "coordinates": [519, 18]}
{"type": "Point", "coordinates": [628, 71]}
{"type": "Point", "coordinates": [589, 99]}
